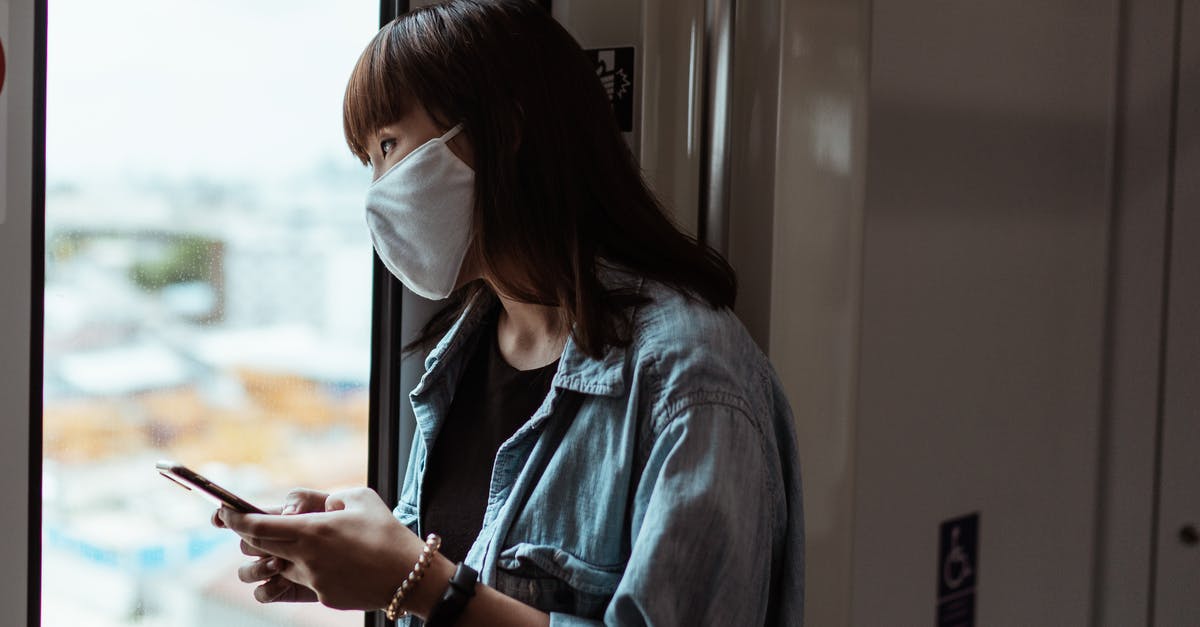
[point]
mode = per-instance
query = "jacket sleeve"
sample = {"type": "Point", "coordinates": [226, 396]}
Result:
{"type": "Point", "coordinates": [708, 521]}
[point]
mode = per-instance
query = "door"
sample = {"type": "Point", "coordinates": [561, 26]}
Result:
{"type": "Point", "coordinates": [1177, 554]}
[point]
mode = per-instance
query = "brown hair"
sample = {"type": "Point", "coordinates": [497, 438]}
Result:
{"type": "Point", "coordinates": [558, 194]}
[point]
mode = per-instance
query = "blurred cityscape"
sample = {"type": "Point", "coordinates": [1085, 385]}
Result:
{"type": "Point", "coordinates": [208, 275]}
{"type": "Point", "coordinates": [235, 341]}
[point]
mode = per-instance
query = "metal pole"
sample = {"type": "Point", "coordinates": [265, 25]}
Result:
{"type": "Point", "coordinates": [716, 144]}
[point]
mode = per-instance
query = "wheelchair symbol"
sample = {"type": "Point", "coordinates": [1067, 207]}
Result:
{"type": "Point", "coordinates": [957, 568]}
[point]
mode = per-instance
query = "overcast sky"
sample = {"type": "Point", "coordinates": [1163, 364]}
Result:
{"type": "Point", "coordinates": [216, 88]}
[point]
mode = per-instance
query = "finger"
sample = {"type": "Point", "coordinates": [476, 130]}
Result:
{"type": "Point", "coordinates": [265, 534]}
{"type": "Point", "coordinates": [354, 498]}
{"type": "Point", "coordinates": [220, 524]}
{"type": "Point", "coordinates": [282, 590]}
{"type": "Point", "coordinates": [260, 569]}
{"type": "Point", "coordinates": [278, 548]}
{"type": "Point", "coordinates": [271, 590]}
{"type": "Point", "coordinates": [261, 526]}
{"type": "Point", "coordinates": [303, 500]}
{"type": "Point", "coordinates": [335, 502]}
{"type": "Point", "coordinates": [298, 594]}
{"type": "Point", "coordinates": [252, 551]}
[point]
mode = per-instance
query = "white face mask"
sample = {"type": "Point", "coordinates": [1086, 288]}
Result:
{"type": "Point", "coordinates": [419, 215]}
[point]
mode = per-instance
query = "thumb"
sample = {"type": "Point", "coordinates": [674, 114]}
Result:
{"type": "Point", "coordinates": [303, 501]}
{"type": "Point", "coordinates": [356, 498]}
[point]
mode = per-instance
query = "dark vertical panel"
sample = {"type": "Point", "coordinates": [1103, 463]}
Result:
{"type": "Point", "coordinates": [384, 412]}
{"type": "Point", "coordinates": [37, 303]}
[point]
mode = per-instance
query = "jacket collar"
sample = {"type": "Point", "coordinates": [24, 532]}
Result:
{"type": "Point", "coordinates": [579, 372]}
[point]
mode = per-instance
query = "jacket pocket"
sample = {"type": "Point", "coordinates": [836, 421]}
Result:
{"type": "Point", "coordinates": [554, 580]}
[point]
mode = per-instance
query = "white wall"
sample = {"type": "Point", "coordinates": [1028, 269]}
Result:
{"type": "Point", "coordinates": [941, 292]}
{"type": "Point", "coordinates": [15, 272]}
{"type": "Point", "coordinates": [985, 260]}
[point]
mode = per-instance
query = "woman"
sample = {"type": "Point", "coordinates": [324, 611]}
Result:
{"type": "Point", "coordinates": [599, 439]}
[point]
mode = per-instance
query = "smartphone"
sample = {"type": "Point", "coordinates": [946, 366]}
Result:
{"type": "Point", "coordinates": [193, 481]}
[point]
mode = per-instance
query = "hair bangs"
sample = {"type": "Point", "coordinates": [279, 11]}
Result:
{"type": "Point", "coordinates": [376, 94]}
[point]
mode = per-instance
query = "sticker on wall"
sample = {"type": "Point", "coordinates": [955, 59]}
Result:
{"type": "Point", "coordinates": [957, 571]}
{"type": "Point", "coordinates": [615, 67]}
{"type": "Point", "coordinates": [3, 21]}
{"type": "Point", "coordinates": [4, 7]}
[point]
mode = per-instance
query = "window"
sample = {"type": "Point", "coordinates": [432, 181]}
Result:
{"type": "Point", "coordinates": [208, 294]}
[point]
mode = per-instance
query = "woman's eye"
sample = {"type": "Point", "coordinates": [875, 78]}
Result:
{"type": "Point", "coordinates": [386, 146]}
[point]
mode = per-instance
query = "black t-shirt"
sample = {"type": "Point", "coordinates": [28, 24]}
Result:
{"type": "Point", "coordinates": [491, 402]}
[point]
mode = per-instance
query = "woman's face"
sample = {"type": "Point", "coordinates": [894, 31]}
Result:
{"type": "Point", "coordinates": [393, 142]}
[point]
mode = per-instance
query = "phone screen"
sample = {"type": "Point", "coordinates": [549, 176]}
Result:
{"type": "Point", "coordinates": [193, 481]}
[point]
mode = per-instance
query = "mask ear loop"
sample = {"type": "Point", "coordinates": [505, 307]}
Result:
{"type": "Point", "coordinates": [450, 134]}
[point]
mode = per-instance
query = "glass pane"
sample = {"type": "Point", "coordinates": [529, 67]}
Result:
{"type": "Point", "coordinates": [207, 294]}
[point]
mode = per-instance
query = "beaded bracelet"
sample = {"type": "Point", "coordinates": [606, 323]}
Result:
{"type": "Point", "coordinates": [433, 542]}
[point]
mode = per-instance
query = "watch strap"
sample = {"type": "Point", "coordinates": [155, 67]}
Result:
{"type": "Point", "coordinates": [454, 599]}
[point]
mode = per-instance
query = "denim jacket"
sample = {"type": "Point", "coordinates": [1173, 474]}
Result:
{"type": "Point", "coordinates": [657, 486]}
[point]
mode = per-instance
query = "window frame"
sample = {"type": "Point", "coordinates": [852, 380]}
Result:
{"type": "Point", "coordinates": [37, 296]}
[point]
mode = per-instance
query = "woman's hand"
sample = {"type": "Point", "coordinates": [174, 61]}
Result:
{"type": "Point", "coordinates": [353, 555]}
{"type": "Point", "coordinates": [267, 568]}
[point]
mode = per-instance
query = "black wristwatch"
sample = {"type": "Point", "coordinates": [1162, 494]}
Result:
{"type": "Point", "coordinates": [454, 599]}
